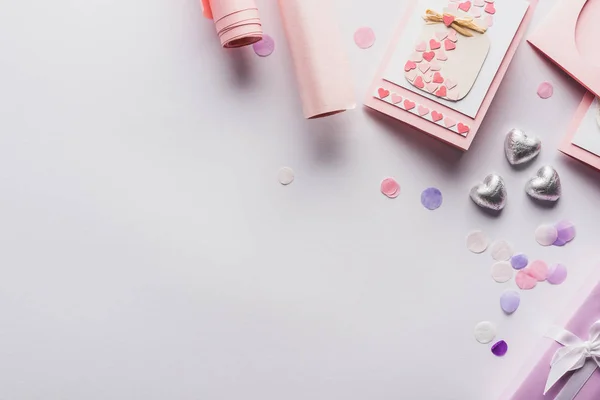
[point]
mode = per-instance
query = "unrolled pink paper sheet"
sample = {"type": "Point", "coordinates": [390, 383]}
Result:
{"type": "Point", "coordinates": [322, 68]}
{"type": "Point", "coordinates": [237, 21]}
{"type": "Point", "coordinates": [584, 311]}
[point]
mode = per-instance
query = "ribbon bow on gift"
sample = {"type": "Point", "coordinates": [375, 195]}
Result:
{"type": "Point", "coordinates": [574, 354]}
{"type": "Point", "coordinates": [462, 25]}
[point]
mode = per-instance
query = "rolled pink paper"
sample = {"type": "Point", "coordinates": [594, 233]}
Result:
{"type": "Point", "coordinates": [237, 21]}
{"type": "Point", "coordinates": [322, 69]}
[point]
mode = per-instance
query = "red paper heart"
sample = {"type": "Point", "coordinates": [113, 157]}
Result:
{"type": "Point", "coordinates": [383, 93]}
{"type": "Point", "coordinates": [449, 45]}
{"type": "Point", "coordinates": [448, 19]}
{"type": "Point", "coordinates": [409, 105]}
{"type": "Point", "coordinates": [438, 78]}
{"type": "Point", "coordinates": [434, 44]}
{"type": "Point", "coordinates": [429, 55]}
{"type": "Point", "coordinates": [490, 9]}
{"type": "Point", "coordinates": [462, 128]}
{"type": "Point", "coordinates": [436, 116]}
{"type": "Point", "coordinates": [396, 98]}
{"type": "Point", "coordinates": [441, 92]}
{"type": "Point", "coordinates": [409, 65]}
{"type": "Point", "coordinates": [466, 6]}
{"type": "Point", "coordinates": [419, 82]}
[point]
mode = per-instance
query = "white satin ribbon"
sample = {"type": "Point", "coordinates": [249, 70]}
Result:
{"type": "Point", "coordinates": [574, 354]}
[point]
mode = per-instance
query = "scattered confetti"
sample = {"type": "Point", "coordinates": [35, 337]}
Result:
{"type": "Point", "coordinates": [502, 272]}
{"type": "Point", "coordinates": [538, 270]}
{"type": "Point", "coordinates": [501, 250]}
{"type": "Point", "coordinates": [500, 348]}
{"type": "Point", "coordinates": [431, 198]}
{"type": "Point", "coordinates": [509, 301]}
{"type": "Point", "coordinates": [485, 332]}
{"type": "Point", "coordinates": [364, 37]}
{"type": "Point", "coordinates": [566, 233]}
{"type": "Point", "coordinates": [525, 281]}
{"type": "Point", "coordinates": [390, 188]}
{"type": "Point", "coordinates": [286, 176]}
{"type": "Point", "coordinates": [519, 261]}
{"type": "Point", "coordinates": [545, 90]}
{"type": "Point", "coordinates": [546, 235]}
{"type": "Point", "coordinates": [557, 274]}
{"type": "Point", "coordinates": [477, 242]}
{"type": "Point", "coordinates": [264, 47]}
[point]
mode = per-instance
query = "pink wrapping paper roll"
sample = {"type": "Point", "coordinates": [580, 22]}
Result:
{"type": "Point", "coordinates": [237, 21]}
{"type": "Point", "coordinates": [322, 69]}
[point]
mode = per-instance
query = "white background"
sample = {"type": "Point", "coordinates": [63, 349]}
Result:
{"type": "Point", "coordinates": [148, 251]}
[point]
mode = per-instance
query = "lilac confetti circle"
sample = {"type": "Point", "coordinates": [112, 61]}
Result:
{"type": "Point", "coordinates": [519, 261]}
{"type": "Point", "coordinates": [431, 198]}
{"type": "Point", "coordinates": [566, 232]}
{"type": "Point", "coordinates": [509, 301]}
{"type": "Point", "coordinates": [500, 348]}
{"type": "Point", "coordinates": [264, 47]}
{"type": "Point", "coordinates": [557, 274]}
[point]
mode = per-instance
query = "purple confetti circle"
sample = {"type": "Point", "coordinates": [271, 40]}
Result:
{"type": "Point", "coordinates": [557, 274]}
{"type": "Point", "coordinates": [264, 47]}
{"type": "Point", "coordinates": [431, 198]}
{"type": "Point", "coordinates": [566, 232]}
{"type": "Point", "coordinates": [519, 261]}
{"type": "Point", "coordinates": [500, 348]}
{"type": "Point", "coordinates": [509, 301]}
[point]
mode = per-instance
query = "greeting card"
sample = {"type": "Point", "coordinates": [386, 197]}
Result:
{"type": "Point", "coordinates": [583, 140]}
{"type": "Point", "coordinates": [446, 62]}
{"type": "Point", "coordinates": [568, 36]}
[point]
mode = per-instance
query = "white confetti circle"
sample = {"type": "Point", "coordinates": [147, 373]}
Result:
{"type": "Point", "coordinates": [477, 242]}
{"type": "Point", "coordinates": [501, 250]}
{"type": "Point", "coordinates": [502, 271]}
{"type": "Point", "coordinates": [546, 235]}
{"type": "Point", "coordinates": [286, 175]}
{"type": "Point", "coordinates": [485, 332]}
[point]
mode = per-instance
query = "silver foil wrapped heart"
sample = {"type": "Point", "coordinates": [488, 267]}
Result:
{"type": "Point", "coordinates": [545, 185]}
{"type": "Point", "coordinates": [521, 148]}
{"type": "Point", "coordinates": [491, 194]}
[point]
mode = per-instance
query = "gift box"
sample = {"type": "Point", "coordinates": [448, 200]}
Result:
{"type": "Point", "coordinates": [566, 366]}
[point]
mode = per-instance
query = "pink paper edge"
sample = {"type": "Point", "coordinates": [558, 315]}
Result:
{"type": "Point", "coordinates": [439, 132]}
{"type": "Point", "coordinates": [560, 47]}
{"type": "Point", "coordinates": [545, 344]}
{"type": "Point", "coordinates": [567, 146]}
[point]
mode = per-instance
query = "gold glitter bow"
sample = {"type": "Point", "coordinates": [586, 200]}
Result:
{"type": "Point", "coordinates": [463, 25]}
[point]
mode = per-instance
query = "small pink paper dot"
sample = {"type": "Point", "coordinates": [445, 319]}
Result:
{"type": "Point", "coordinates": [390, 188]}
{"type": "Point", "coordinates": [364, 37]}
{"type": "Point", "coordinates": [545, 90]}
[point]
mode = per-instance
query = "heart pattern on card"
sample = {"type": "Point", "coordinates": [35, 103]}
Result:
{"type": "Point", "coordinates": [436, 116]}
{"type": "Point", "coordinates": [449, 45]}
{"type": "Point", "coordinates": [409, 105]}
{"type": "Point", "coordinates": [396, 98]}
{"type": "Point", "coordinates": [421, 110]}
{"type": "Point", "coordinates": [409, 65]}
{"type": "Point", "coordinates": [438, 78]}
{"type": "Point", "coordinates": [419, 82]}
{"type": "Point", "coordinates": [421, 47]}
{"type": "Point", "coordinates": [440, 55]}
{"type": "Point", "coordinates": [441, 92]}
{"type": "Point", "coordinates": [462, 128]}
{"type": "Point", "coordinates": [424, 67]}
{"type": "Point", "coordinates": [434, 44]}
{"type": "Point", "coordinates": [428, 55]}
{"type": "Point", "coordinates": [383, 93]}
{"type": "Point", "coordinates": [466, 6]}
{"type": "Point", "coordinates": [448, 19]}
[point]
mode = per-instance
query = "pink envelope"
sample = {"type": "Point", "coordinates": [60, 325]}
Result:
{"type": "Point", "coordinates": [437, 129]}
{"type": "Point", "coordinates": [569, 36]}
{"type": "Point", "coordinates": [567, 145]}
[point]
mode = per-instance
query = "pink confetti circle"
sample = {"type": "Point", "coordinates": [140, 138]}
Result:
{"type": "Point", "coordinates": [364, 37]}
{"type": "Point", "coordinates": [524, 281]}
{"type": "Point", "coordinates": [390, 188]}
{"type": "Point", "coordinates": [545, 90]}
{"type": "Point", "coordinates": [264, 47]}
